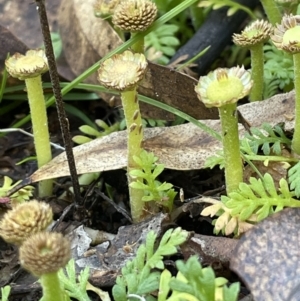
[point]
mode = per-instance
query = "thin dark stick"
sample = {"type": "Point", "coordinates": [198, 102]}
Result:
{"type": "Point", "coordinates": [64, 124]}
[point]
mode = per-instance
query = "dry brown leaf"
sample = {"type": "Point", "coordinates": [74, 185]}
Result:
{"type": "Point", "coordinates": [277, 109]}
{"type": "Point", "coordinates": [210, 249]}
{"type": "Point", "coordinates": [182, 147]}
{"type": "Point", "coordinates": [175, 89]}
{"type": "Point", "coordinates": [267, 258]}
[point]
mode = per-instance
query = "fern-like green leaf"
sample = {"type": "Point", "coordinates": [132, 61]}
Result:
{"type": "Point", "coordinates": [5, 291]}
{"type": "Point", "coordinates": [251, 203]}
{"type": "Point", "coordinates": [74, 286]}
{"type": "Point", "coordinates": [278, 71]}
{"type": "Point", "coordinates": [215, 160]}
{"type": "Point", "coordinates": [196, 283]}
{"type": "Point", "coordinates": [163, 40]}
{"type": "Point", "coordinates": [294, 179]}
{"type": "Point", "coordinates": [259, 198]}
{"type": "Point", "coordinates": [268, 138]}
{"type": "Point", "coordinates": [138, 276]}
{"type": "Point", "coordinates": [154, 190]}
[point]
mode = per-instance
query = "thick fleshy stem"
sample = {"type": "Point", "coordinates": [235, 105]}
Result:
{"type": "Point", "coordinates": [296, 136]}
{"type": "Point", "coordinates": [52, 290]}
{"type": "Point", "coordinates": [272, 11]}
{"type": "Point", "coordinates": [139, 46]}
{"type": "Point", "coordinates": [231, 147]}
{"type": "Point", "coordinates": [134, 147]}
{"type": "Point", "coordinates": [257, 72]}
{"type": "Point", "coordinates": [40, 128]}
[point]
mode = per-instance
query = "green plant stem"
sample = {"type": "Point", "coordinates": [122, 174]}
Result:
{"type": "Point", "coordinates": [139, 45]}
{"type": "Point", "coordinates": [257, 72]}
{"type": "Point", "coordinates": [52, 290]}
{"type": "Point", "coordinates": [272, 11]}
{"type": "Point", "coordinates": [40, 128]}
{"type": "Point", "coordinates": [134, 147]}
{"type": "Point", "coordinates": [296, 136]}
{"type": "Point", "coordinates": [231, 147]}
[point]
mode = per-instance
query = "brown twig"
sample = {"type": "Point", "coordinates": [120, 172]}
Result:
{"type": "Point", "coordinates": [64, 124]}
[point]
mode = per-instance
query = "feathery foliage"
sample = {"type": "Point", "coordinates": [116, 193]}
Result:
{"type": "Point", "coordinates": [161, 193]}
{"type": "Point", "coordinates": [74, 286]}
{"type": "Point", "coordinates": [164, 41]}
{"type": "Point", "coordinates": [294, 179]}
{"type": "Point", "coordinates": [22, 195]}
{"type": "Point", "coordinates": [193, 282]}
{"type": "Point", "coordinates": [278, 71]}
{"type": "Point", "coordinates": [217, 159]}
{"type": "Point", "coordinates": [251, 203]}
{"type": "Point", "coordinates": [138, 276]}
{"type": "Point", "coordinates": [5, 291]}
{"type": "Point", "coordinates": [269, 138]}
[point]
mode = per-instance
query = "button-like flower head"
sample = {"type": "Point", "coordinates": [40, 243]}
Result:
{"type": "Point", "coordinates": [122, 71]}
{"type": "Point", "coordinates": [286, 35]}
{"type": "Point", "coordinates": [24, 220]}
{"type": "Point", "coordinates": [224, 86]}
{"type": "Point", "coordinates": [45, 253]}
{"type": "Point", "coordinates": [32, 64]}
{"type": "Point", "coordinates": [134, 15]}
{"type": "Point", "coordinates": [257, 32]}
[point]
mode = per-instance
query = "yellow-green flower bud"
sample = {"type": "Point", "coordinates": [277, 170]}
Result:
{"type": "Point", "coordinates": [24, 220]}
{"type": "Point", "coordinates": [257, 32]}
{"type": "Point", "coordinates": [286, 35]}
{"type": "Point", "coordinates": [45, 253]}
{"type": "Point", "coordinates": [223, 86]}
{"type": "Point", "coordinates": [134, 15]}
{"type": "Point", "coordinates": [122, 71]}
{"type": "Point", "coordinates": [32, 64]}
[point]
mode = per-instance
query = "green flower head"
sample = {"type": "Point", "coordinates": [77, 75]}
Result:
{"type": "Point", "coordinates": [224, 86]}
{"type": "Point", "coordinates": [24, 220]}
{"type": "Point", "coordinates": [122, 71]}
{"type": "Point", "coordinates": [257, 32]}
{"type": "Point", "coordinates": [134, 15]}
{"type": "Point", "coordinates": [32, 64]}
{"type": "Point", "coordinates": [45, 253]}
{"type": "Point", "coordinates": [286, 35]}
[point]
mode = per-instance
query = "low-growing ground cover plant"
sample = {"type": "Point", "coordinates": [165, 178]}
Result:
{"type": "Point", "coordinates": [245, 203]}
